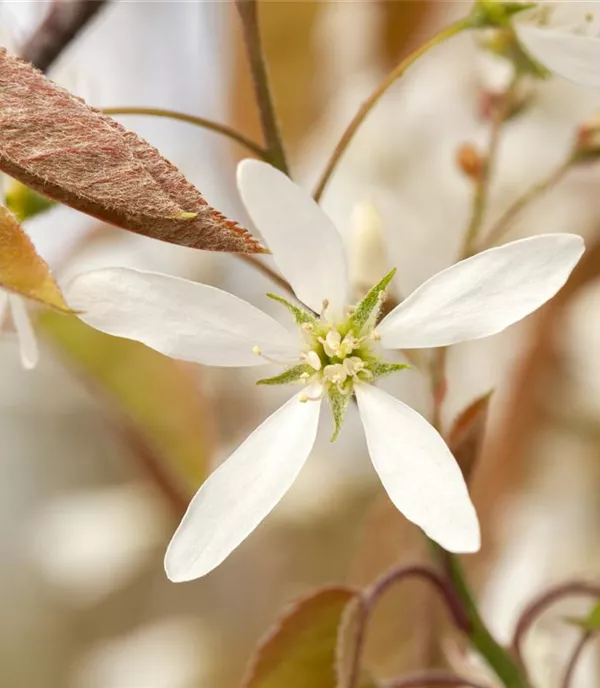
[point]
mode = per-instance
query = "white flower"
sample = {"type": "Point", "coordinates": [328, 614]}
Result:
{"type": "Point", "coordinates": [334, 354]}
{"type": "Point", "coordinates": [565, 38]}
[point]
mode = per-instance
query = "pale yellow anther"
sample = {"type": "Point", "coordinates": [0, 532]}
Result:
{"type": "Point", "coordinates": [375, 336]}
{"type": "Point", "coordinates": [256, 350]}
{"type": "Point", "coordinates": [308, 327]}
{"type": "Point", "coordinates": [335, 374]}
{"type": "Point", "coordinates": [303, 398]}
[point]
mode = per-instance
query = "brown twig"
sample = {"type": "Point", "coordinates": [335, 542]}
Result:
{"type": "Point", "coordinates": [376, 96]}
{"type": "Point", "coordinates": [64, 21]}
{"type": "Point", "coordinates": [539, 605]}
{"type": "Point", "coordinates": [209, 124]}
{"type": "Point", "coordinates": [268, 272]}
{"type": "Point", "coordinates": [248, 12]}
{"type": "Point", "coordinates": [503, 225]}
{"type": "Point", "coordinates": [583, 642]}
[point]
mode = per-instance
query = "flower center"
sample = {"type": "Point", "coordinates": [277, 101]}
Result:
{"type": "Point", "coordinates": [335, 356]}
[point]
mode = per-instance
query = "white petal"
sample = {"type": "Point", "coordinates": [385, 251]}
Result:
{"type": "Point", "coordinates": [242, 491]}
{"type": "Point", "coordinates": [27, 339]}
{"type": "Point", "coordinates": [306, 246]}
{"type": "Point", "coordinates": [565, 50]}
{"type": "Point", "coordinates": [484, 294]}
{"type": "Point", "coordinates": [179, 318]}
{"type": "Point", "coordinates": [418, 471]}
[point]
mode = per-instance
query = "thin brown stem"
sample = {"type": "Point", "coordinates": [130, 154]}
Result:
{"type": "Point", "coordinates": [268, 272]}
{"type": "Point", "coordinates": [64, 21]}
{"type": "Point", "coordinates": [248, 12]}
{"type": "Point", "coordinates": [505, 222]}
{"type": "Point", "coordinates": [432, 679]}
{"type": "Point", "coordinates": [539, 605]}
{"type": "Point", "coordinates": [218, 128]}
{"type": "Point", "coordinates": [482, 186]}
{"type": "Point", "coordinates": [375, 97]}
{"type": "Point", "coordinates": [583, 642]}
{"type": "Point", "coordinates": [371, 596]}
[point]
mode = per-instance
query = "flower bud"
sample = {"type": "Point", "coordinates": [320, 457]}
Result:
{"type": "Point", "coordinates": [470, 161]}
{"type": "Point", "coordinates": [367, 250]}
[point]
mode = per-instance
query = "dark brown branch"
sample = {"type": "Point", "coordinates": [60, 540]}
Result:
{"type": "Point", "coordinates": [64, 21]}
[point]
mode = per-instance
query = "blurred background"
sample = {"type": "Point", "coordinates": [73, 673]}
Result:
{"type": "Point", "coordinates": [104, 443]}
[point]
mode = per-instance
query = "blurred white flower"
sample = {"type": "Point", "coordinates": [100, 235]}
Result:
{"type": "Point", "coordinates": [167, 654]}
{"type": "Point", "coordinates": [91, 543]}
{"type": "Point", "coordinates": [333, 355]}
{"type": "Point", "coordinates": [565, 38]}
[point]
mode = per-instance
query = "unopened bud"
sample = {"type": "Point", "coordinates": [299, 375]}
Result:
{"type": "Point", "coordinates": [367, 250]}
{"type": "Point", "coordinates": [470, 161]}
{"type": "Point", "coordinates": [587, 139]}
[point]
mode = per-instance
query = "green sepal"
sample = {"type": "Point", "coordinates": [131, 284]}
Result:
{"type": "Point", "coordinates": [339, 403]}
{"type": "Point", "coordinates": [300, 315]}
{"type": "Point", "coordinates": [25, 203]}
{"type": "Point", "coordinates": [291, 375]}
{"type": "Point", "coordinates": [381, 369]}
{"type": "Point", "coordinates": [495, 13]}
{"type": "Point", "coordinates": [368, 308]}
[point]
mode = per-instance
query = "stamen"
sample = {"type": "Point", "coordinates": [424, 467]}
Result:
{"type": "Point", "coordinates": [257, 350]}
{"type": "Point", "coordinates": [307, 397]}
{"type": "Point", "coordinates": [375, 336]}
{"type": "Point", "coordinates": [313, 360]}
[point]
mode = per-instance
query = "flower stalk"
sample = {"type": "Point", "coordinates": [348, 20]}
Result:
{"type": "Point", "coordinates": [248, 13]}
{"type": "Point", "coordinates": [209, 124]}
{"type": "Point", "coordinates": [375, 97]}
{"type": "Point", "coordinates": [499, 659]}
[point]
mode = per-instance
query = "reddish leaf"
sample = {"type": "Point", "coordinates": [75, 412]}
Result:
{"type": "Point", "coordinates": [467, 432]}
{"type": "Point", "coordinates": [301, 650]}
{"type": "Point", "coordinates": [62, 148]}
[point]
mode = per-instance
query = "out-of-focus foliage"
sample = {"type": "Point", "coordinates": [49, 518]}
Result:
{"type": "Point", "coordinates": [158, 395]}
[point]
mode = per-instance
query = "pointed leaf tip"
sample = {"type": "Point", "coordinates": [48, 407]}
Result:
{"type": "Point", "coordinates": [22, 269]}
{"type": "Point", "coordinates": [59, 146]}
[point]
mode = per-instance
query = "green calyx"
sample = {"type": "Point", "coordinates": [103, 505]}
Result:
{"type": "Point", "coordinates": [337, 355]}
{"type": "Point", "coordinates": [495, 13]}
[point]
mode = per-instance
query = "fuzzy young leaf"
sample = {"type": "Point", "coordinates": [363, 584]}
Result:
{"type": "Point", "coordinates": [301, 650]}
{"type": "Point", "coordinates": [22, 270]}
{"type": "Point", "coordinates": [381, 369]}
{"type": "Point", "coordinates": [301, 316]}
{"type": "Point", "coordinates": [59, 146]}
{"type": "Point", "coordinates": [292, 375]}
{"type": "Point", "coordinates": [152, 395]}
{"type": "Point", "coordinates": [339, 404]}
{"type": "Point", "coordinates": [369, 306]}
